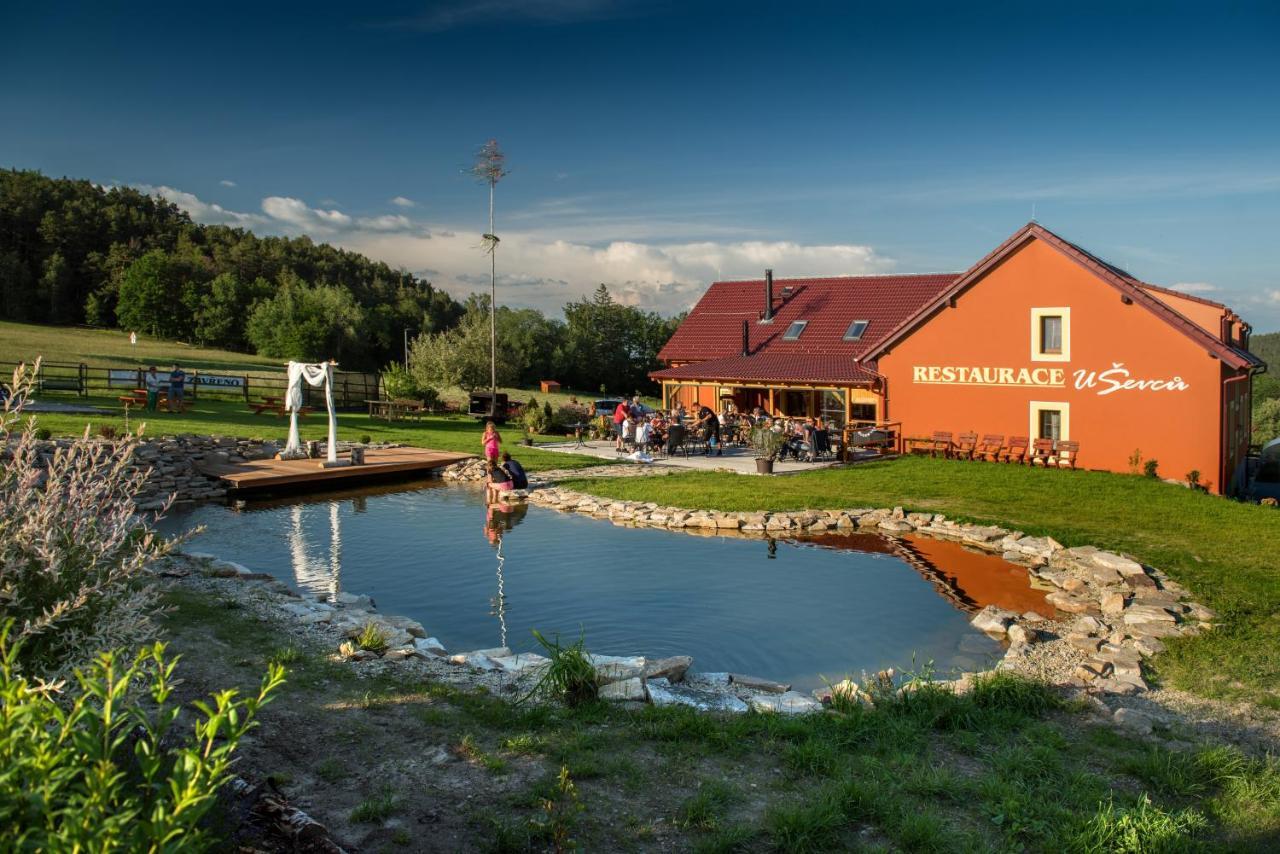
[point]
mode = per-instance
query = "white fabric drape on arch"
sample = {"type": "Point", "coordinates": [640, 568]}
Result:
{"type": "Point", "coordinates": [314, 375]}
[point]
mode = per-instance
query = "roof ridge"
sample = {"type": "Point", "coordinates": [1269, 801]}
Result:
{"type": "Point", "coordinates": [776, 279]}
{"type": "Point", "coordinates": [1122, 281]}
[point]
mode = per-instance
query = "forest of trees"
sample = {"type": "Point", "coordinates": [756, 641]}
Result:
{"type": "Point", "coordinates": [73, 252]}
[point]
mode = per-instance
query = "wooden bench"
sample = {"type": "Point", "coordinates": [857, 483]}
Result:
{"type": "Point", "coordinates": [1041, 453]}
{"type": "Point", "coordinates": [989, 448]}
{"type": "Point", "coordinates": [1016, 452]}
{"type": "Point", "coordinates": [275, 405]}
{"type": "Point", "coordinates": [966, 446]}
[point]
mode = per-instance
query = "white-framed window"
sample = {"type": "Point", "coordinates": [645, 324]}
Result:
{"type": "Point", "coordinates": [1049, 420]}
{"type": "Point", "coordinates": [794, 330]}
{"type": "Point", "coordinates": [1051, 334]}
{"type": "Point", "coordinates": [856, 330]}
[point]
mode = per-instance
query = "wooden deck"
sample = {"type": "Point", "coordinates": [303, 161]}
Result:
{"type": "Point", "coordinates": [297, 474]}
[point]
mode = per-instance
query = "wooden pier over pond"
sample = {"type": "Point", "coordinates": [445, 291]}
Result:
{"type": "Point", "coordinates": [295, 475]}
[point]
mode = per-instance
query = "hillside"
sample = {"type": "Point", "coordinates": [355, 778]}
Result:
{"type": "Point", "coordinates": [74, 252]}
{"type": "Point", "coordinates": [1267, 348]}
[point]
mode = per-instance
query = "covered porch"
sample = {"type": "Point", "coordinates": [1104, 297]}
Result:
{"type": "Point", "coordinates": [839, 406]}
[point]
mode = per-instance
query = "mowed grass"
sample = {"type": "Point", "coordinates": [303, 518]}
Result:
{"type": "Point", "coordinates": [1227, 553]}
{"type": "Point", "coordinates": [111, 348]}
{"type": "Point", "coordinates": [233, 418]}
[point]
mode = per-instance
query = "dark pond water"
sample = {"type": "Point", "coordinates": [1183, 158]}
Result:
{"type": "Point", "coordinates": [793, 611]}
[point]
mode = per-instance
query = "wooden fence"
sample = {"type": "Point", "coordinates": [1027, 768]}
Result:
{"type": "Point", "coordinates": [350, 389]}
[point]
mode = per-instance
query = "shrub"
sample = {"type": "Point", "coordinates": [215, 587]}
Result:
{"type": "Point", "coordinates": [398, 383]}
{"type": "Point", "coordinates": [1135, 461]}
{"type": "Point", "coordinates": [534, 417]}
{"type": "Point", "coordinates": [570, 676]}
{"type": "Point", "coordinates": [109, 772]}
{"type": "Point", "coordinates": [766, 443]}
{"type": "Point", "coordinates": [365, 439]}
{"type": "Point", "coordinates": [1150, 468]}
{"type": "Point", "coordinates": [72, 552]}
{"type": "Point", "coordinates": [107, 431]}
{"type": "Point", "coordinates": [43, 434]}
{"type": "Point", "coordinates": [1193, 479]}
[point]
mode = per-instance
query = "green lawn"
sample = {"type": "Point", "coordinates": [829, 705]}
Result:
{"type": "Point", "coordinates": [1226, 552]}
{"type": "Point", "coordinates": [233, 418]}
{"type": "Point", "coordinates": [111, 348]}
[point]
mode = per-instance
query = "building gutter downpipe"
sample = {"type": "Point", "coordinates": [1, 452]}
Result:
{"type": "Point", "coordinates": [746, 339]}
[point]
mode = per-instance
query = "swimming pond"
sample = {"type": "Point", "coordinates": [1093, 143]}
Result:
{"type": "Point", "coordinates": [791, 610]}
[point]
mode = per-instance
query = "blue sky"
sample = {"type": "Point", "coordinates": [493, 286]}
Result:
{"type": "Point", "coordinates": [656, 146]}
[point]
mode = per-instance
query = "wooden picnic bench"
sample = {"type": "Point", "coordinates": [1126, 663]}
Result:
{"type": "Point", "coordinates": [139, 399]}
{"type": "Point", "coordinates": [939, 443]}
{"type": "Point", "coordinates": [276, 406]}
{"type": "Point", "coordinates": [396, 410]}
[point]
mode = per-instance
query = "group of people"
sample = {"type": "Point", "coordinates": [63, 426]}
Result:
{"type": "Point", "coordinates": [640, 431]}
{"type": "Point", "coordinates": [175, 383]}
{"type": "Point", "coordinates": [505, 476]}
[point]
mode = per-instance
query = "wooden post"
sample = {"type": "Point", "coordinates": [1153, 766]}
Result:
{"type": "Point", "coordinates": [772, 409]}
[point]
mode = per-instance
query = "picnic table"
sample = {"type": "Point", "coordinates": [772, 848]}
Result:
{"type": "Point", "coordinates": [395, 410]}
{"type": "Point", "coordinates": [139, 398]}
{"type": "Point", "coordinates": [276, 406]}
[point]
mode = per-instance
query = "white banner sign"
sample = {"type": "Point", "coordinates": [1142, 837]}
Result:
{"type": "Point", "coordinates": [122, 379]}
{"type": "Point", "coordinates": [214, 381]}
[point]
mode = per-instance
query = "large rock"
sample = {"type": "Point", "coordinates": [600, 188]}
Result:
{"type": "Point", "coordinates": [992, 620]}
{"type": "Point", "coordinates": [1070, 603]}
{"type": "Point", "coordinates": [789, 703]}
{"type": "Point", "coordinates": [1139, 614]}
{"type": "Point", "coordinates": [755, 683]}
{"type": "Point", "coordinates": [1124, 566]}
{"type": "Point", "coordinates": [616, 668]}
{"type": "Point", "coordinates": [1132, 719]}
{"type": "Point", "coordinates": [625, 690]}
{"type": "Point", "coordinates": [663, 693]}
{"type": "Point", "coordinates": [671, 669]}
{"type": "Point", "coordinates": [522, 663]}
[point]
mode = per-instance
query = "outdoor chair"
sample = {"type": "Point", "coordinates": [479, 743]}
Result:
{"type": "Point", "coordinates": [941, 443]}
{"type": "Point", "coordinates": [989, 448]}
{"type": "Point", "coordinates": [1017, 450]}
{"type": "Point", "coordinates": [1067, 451]}
{"type": "Point", "coordinates": [677, 436]}
{"type": "Point", "coordinates": [1041, 453]}
{"type": "Point", "coordinates": [822, 444]}
{"type": "Point", "coordinates": [966, 446]}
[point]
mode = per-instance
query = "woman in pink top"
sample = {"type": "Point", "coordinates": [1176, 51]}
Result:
{"type": "Point", "coordinates": [492, 442]}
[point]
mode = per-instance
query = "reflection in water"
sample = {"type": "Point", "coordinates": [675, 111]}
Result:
{"type": "Point", "coordinates": [314, 576]}
{"type": "Point", "coordinates": [498, 518]}
{"type": "Point", "coordinates": [970, 580]}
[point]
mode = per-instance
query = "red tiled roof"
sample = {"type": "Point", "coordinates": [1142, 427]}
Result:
{"type": "Point", "coordinates": [713, 330]}
{"type": "Point", "coordinates": [1114, 276]}
{"type": "Point", "coordinates": [774, 367]}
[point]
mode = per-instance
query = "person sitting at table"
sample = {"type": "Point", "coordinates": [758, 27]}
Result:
{"type": "Point", "coordinates": [499, 482]}
{"type": "Point", "coordinates": [628, 431]}
{"type": "Point", "coordinates": [644, 434]}
{"type": "Point", "coordinates": [519, 479]}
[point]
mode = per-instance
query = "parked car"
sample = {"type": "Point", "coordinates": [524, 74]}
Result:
{"type": "Point", "coordinates": [608, 405]}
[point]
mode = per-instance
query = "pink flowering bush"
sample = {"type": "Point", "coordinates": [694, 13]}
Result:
{"type": "Point", "coordinates": [72, 550]}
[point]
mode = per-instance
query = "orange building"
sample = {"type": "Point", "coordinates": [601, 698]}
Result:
{"type": "Point", "coordinates": [1040, 338]}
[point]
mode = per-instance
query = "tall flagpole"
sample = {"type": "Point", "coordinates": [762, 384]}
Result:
{"type": "Point", "coordinates": [489, 167]}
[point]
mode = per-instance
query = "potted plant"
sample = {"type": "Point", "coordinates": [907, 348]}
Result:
{"type": "Point", "coordinates": [765, 444]}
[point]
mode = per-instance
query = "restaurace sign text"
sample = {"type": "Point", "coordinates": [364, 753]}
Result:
{"type": "Point", "coordinates": [1116, 378]}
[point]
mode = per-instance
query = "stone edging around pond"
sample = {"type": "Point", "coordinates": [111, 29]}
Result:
{"type": "Point", "coordinates": [1121, 611]}
{"type": "Point", "coordinates": [1118, 608]}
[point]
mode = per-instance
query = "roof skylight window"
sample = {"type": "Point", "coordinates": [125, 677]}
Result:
{"type": "Point", "coordinates": [794, 330]}
{"type": "Point", "coordinates": [855, 330]}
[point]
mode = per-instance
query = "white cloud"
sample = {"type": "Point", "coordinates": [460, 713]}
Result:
{"type": "Point", "coordinates": [402, 202]}
{"type": "Point", "coordinates": [544, 266]}
{"type": "Point", "coordinates": [1194, 287]}
{"type": "Point", "coordinates": [1274, 296]}
{"type": "Point", "coordinates": [546, 274]}
{"type": "Point", "coordinates": [203, 212]}
{"type": "Point", "coordinates": [227, 183]}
